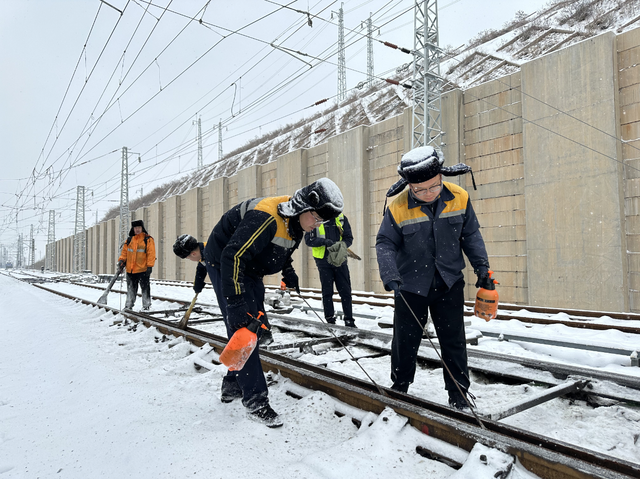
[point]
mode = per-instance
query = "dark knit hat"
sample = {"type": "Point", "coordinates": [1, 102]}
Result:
{"type": "Point", "coordinates": [322, 196]}
{"type": "Point", "coordinates": [184, 245]}
{"type": "Point", "coordinates": [423, 163]}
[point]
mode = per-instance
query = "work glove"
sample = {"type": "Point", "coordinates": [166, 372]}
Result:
{"type": "Point", "coordinates": [329, 242]}
{"type": "Point", "coordinates": [121, 263]}
{"type": "Point", "coordinates": [237, 313]}
{"type": "Point", "coordinates": [484, 281]}
{"type": "Point", "coordinates": [291, 280]}
{"type": "Point", "coordinates": [198, 284]}
{"type": "Point", "coordinates": [149, 269]}
{"type": "Point", "coordinates": [394, 286]}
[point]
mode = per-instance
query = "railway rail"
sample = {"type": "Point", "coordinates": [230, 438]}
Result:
{"type": "Point", "coordinates": [602, 383]}
{"type": "Point", "coordinates": [545, 457]}
{"type": "Point", "coordinates": [576, 318]}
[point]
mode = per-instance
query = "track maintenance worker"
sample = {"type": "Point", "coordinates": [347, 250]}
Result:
{"type": "Point", "coordinates": [138, 256]}
{"type": "Point", "coordinates": [419, 249]}
{"type": "Point", "coordinates": [322, 239]}
{"type": "Point", "coordinates": [256, 238]}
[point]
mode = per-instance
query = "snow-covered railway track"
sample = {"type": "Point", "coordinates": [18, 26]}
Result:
{"type": "Point", "coordinates": [546, 457]}
{"type": "Point", "coordinates": [499, 366]}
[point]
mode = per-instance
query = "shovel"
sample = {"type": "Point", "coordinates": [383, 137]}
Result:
{"type": "Point", "coordinates": [183, 322]}
{"type": "Point", "coordinates": [103, 298]}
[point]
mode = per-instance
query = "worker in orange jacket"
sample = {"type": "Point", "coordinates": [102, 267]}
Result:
{"type": "Point", "coordinates": [138, 256]}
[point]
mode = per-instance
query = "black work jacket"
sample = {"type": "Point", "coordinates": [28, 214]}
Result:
{"type": "Point", "coordinates": [252, 239]}
{"type": "Point", "coordinates": [413, 241]}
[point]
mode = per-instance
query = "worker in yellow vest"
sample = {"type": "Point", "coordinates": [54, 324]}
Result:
{"type": "Point", "coordinates": [324, 240]}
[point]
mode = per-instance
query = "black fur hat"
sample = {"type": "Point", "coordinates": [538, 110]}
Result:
{"type": "Point", "coordinates": [423, 163]}
{"type": "Point", "coordinates": [184, 245]}
{"type": "Point", "coordinates": [135, 223]}
{"type": "Point", "coordinates": [322, 196]}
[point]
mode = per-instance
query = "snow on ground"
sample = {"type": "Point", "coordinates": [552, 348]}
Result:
{"type": "Point", "coordinates": [81, 397]}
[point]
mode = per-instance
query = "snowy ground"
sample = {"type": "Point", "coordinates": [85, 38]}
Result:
{"type": "Point", "coordinates": [80, 397]}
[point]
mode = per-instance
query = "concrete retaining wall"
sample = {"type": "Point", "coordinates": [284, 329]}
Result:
{"type": "Point", "coordinates": [558, 193]}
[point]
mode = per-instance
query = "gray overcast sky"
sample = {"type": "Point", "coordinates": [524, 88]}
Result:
{"type": "Point", "coordinates": [143, 76]}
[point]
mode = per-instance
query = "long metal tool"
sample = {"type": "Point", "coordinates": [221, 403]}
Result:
{"type": "Point", "coordinates": [183, 322]}
{"type": "Point", "coordinates": [337, 338]}
{"type": "Point", "coordinates": [103, 298]}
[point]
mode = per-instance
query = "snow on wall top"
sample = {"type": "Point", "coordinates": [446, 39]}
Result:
{"type": "Point", "coordinates": [491, 54]}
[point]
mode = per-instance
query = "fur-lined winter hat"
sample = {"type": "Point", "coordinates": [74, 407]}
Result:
{"type": "Point", "coordinates": [423, 163]}
{"type": "Point", "coordinates": [135, 223]}
{"type": "Point", "coordinates": [184, 245]}
{"type": "Point", "coordinates": [322, 196]}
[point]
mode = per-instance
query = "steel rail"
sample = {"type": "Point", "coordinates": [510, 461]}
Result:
{"type": "Point", "coordinates": [543, 456]}
{"type": "Point", "coordinates": [605, 384]}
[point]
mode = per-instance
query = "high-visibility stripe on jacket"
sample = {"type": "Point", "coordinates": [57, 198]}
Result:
{"type": "Point", "coordinates": [318, 251]}
{"type": "Point", "coordinates": [413, 241]}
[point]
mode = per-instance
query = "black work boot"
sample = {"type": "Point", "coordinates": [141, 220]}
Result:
{"type": "Point", "coordinates": [331, 320]}
{"type": "Point", "coordinates": [458, 401]}
{"type": "Point", "coordinates": [400, 387]}
{"type": "Point", "coordinates": [230, 390]}
{"type": "Point", "coordinates": [267, 416]}
{"type": "Point", "coordinates": [349, 323]}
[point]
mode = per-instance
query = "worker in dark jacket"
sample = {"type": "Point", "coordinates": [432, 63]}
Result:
{"type": "Point", "coordinates": [326, 236]}
{"type": "Point", "coordinates": [419, 248]}
{"type": "Point", "coordinates": [138, 256]}
{"type": "Point", "coordinates": [256, 238]}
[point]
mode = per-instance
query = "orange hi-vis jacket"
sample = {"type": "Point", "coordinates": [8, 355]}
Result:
{"type": "Point", "coordinates": [138, 255]}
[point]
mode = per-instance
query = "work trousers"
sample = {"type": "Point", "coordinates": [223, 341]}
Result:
{"type": "Point", "coordinates": [251, 377]}
{"type": "Point", "coordinates": [446, 307]}
{"type": "Point", "coordinates": [340, 276]}
{"type": "Point", "coordinates": [133, 279]}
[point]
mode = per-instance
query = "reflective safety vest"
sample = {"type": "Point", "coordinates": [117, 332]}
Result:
{"type": "Point", "coordinates": [318, 251]}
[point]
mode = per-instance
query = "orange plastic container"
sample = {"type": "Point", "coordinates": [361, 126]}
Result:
{"type": "Point", "coordinates": [241, 345]}
{"type": "Point", "coordinates": [486, 306]}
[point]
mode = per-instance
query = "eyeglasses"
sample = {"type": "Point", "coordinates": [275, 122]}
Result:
{"type": "Point", "coordinates": [432, 190]}
{"type": "Point", "coordinates": [318, 220]}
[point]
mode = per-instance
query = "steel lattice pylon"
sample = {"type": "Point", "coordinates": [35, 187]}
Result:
{"type": "Point", "coordinates": [32, 249]}
{"type": "Point", "coordinates": [124, 201]}
{"type": "Point", "coordinates": [79, 237]}
{"type": "Point", "coordinates": [342, 63]}
{"type": "Point", "coordinates": [427, 83]}
{"type": "Point", "coordinates": [199, 140]}
{"type": "Point", "coordinates": [51, 242]}
{"type": "Point", "coordinates": [220, 140]}
{"type": "Point", "coordinates": [370, 74]}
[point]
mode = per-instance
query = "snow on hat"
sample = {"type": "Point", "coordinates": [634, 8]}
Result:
{"type": "Point", "coordinates": [423, 163]}
{"type": "Point", "coordinates": [322, 196]}
{"type": "Point", "coordinates": [184, 245]}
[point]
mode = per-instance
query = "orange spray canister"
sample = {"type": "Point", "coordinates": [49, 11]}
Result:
{"type": "Point", "coordinates": [487, 301]}
{"type": "Point", "coordinates": [241, 345]}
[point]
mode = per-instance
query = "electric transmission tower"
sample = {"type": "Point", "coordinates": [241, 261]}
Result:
{"type": "Point", "coordinates": [19, 252]}
{"type": "Point", "coordinates": [427, 83]}
{"type": "Point", "coordinates": [369, 52]}
{"type": "Point", "coordinates": [199, 140]}
{"type": "Point", "coordinates": [124, 198]}
{"type": "Point", "coordinates": [79, 239]}
{"type": "Point", "coordinates": [220, 140]}
{"type": "Point", "coordinates": [32, 249]}
{"type": "Point", "coordinates": [342, 64]}
{"type": "Point", "coordinates": [50, 260]}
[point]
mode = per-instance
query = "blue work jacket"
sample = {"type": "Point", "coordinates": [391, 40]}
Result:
{"type": "Point", "coordinates": [413, 242]}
